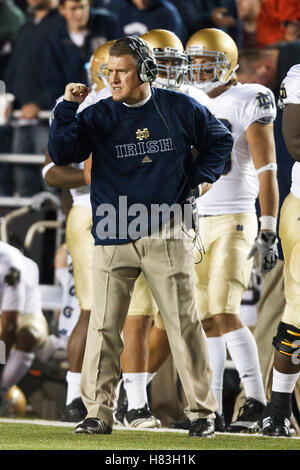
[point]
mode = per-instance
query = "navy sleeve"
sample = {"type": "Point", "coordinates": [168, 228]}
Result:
{"type": "Point", "coordinates": [214, 143]}
{"type": "Point", "coordinates": [71, 135]}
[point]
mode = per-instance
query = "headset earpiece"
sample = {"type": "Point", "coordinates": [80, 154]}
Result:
{"type": "Point", "coordinates": [147, 69]}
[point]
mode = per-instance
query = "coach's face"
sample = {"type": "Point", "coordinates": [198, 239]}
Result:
{"type": "Point", "coordinates": [125, 84]}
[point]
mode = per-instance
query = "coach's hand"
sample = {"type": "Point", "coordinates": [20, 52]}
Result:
{"type": "Point", "coordinates": [76, 92]}
{"type": "Point", "coordinates": [266, 246]}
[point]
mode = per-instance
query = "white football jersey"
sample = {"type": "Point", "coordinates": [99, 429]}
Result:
{"type": "Point", "coordinates": [290, 94]}
{"type": "Point", "coordinates": [81, 195]}
{"type": "Point", "coordinates": [238, 107]}
{"type": "Point", "coordinates": [198, 95]}
{"type": "Point", "coordinates": [19, 282]}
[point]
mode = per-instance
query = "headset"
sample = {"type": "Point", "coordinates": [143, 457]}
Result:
{"type": "Point", "coordinates": [147, 68]}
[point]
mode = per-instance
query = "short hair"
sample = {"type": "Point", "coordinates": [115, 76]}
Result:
{"type": "Point", "coordinates": [122, 47]}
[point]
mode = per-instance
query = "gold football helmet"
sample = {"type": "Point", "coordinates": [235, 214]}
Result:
{"type": "Point", "coordinates": [14, 403]}
{"type": "Point", "coordinates": [97, 67]}
{"type": "Point", "coordinates": [219, 56]}
{"type": "Point", "coordinates": [170, 57]}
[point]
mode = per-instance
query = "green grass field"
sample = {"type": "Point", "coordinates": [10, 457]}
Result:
{"type": "Point", "coordinates": [21, 436]}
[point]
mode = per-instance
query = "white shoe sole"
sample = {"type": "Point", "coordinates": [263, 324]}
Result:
{"type": "Point", "coordinates": [143, 423]}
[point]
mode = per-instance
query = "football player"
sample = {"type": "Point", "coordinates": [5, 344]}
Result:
{"type": "Point", "coordinates": [146, 344]}
{"type": "Point", "coordinates": [79, 239]}
{"type": "Point", "coordinates": [229, 222]}
{"type": "Point", "coordinates": [286, 368]}
{"type": "Point", "coordinates": [23, 327]}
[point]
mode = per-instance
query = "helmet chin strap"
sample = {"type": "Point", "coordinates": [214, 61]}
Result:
{"type": "Point", "coordinates": [208, 86]}
{"type": "Point", "coordinates": [162, 82]}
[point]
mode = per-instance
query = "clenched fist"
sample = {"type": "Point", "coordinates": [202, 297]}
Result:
{"type": "Point", "coordinates": [76, 92]}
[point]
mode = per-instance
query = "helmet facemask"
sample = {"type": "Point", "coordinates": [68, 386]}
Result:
{"type": "Point", "coordinates": [172, 67]}
{"type": "Point", "coordinates": [103, 74]}
{"type": "Point", "coordinates": [216, 66]}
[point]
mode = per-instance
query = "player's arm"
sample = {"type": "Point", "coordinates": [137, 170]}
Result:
{"type": "Point", "coordinates": [291, 129]}
{"type": "Point", "coordinates": [262, 147]}
{"type": "Point", "coordinates": [87, 170]}
{"type": "Point", "coordinates": [60, 257]}
{"type": "Point", "coordinates": [66, 177]}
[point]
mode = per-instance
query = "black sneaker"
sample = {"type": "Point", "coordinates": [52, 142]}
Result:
{"type": "Point", "coordinates": [181, 424]}
{"type": "Point", "coordinates": [121, 403]}
{"type": "Point", "coordinates": [93, 426]}
{"type": "Point", "coordinates": [249, 419]}
{"type": "Point", "coordinates": [220, 423]}
{"type": "Point", "coordinates": [74, 412]}
{"type": "Point", "coordinates": [202, 427]}
{"type": "Point", "coordinates": [277, 427]}
{"type": "Point", "coordinates": [276, 424]}
{"type": "Point", "coordinates": [141, 418]}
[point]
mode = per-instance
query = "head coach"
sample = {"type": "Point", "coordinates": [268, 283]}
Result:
{"type": "Point", "coordinates": [141, 139]}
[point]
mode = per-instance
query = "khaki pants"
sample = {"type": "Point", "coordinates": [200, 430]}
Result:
{"type": "Point", "coordinates": [168, 267]}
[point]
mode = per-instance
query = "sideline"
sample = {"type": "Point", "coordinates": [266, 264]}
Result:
{"type": "Point", "coordinates": [43, 422]}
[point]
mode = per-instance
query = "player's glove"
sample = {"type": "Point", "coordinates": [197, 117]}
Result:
{"type": "Point", "coordinates": [266, 246]}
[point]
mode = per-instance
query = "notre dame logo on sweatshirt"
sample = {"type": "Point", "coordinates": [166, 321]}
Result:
{"type": "Point", "coordinates": [142, 134]}
{"type": "Point", "coordinates": [144, 146]}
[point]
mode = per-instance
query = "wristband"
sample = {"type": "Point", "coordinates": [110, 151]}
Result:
{"type": "Point", "coordinates": [268, 222]}
{"type": "Point", "coordinates": [269, 167]}
{"type": "Point", "coordinates": [47, 168]}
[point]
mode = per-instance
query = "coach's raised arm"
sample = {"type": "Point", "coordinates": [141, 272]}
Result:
{"type": "Point", "coordinates": [67, 141]}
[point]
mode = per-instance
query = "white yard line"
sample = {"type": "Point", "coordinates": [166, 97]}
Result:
{"type": "Point", "coordinates": [44, 422]}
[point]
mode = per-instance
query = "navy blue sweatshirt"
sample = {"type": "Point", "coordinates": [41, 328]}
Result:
{"type": "Point", "coordinates": [137, 153]}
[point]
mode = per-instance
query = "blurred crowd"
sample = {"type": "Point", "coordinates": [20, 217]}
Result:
{"type": "Point", "coordinates": [45, 44]}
